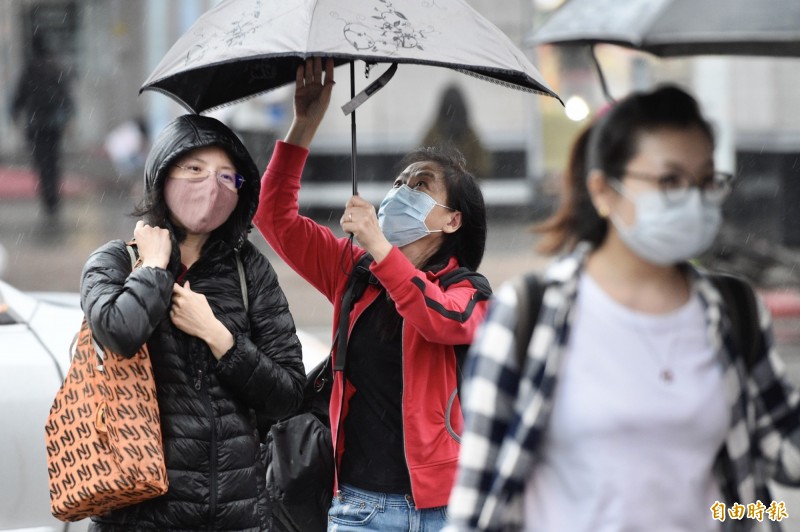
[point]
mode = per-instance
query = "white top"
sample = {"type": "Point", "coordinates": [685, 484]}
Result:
{"type": "Point", "coordinates": [627, 449]}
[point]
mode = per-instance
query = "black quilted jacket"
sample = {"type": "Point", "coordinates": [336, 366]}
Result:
{"type": "Point", "coordinates": [208, 407]}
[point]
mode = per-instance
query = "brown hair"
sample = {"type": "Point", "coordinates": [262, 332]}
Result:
{"type": "Point", "coordinates": [575, 219]}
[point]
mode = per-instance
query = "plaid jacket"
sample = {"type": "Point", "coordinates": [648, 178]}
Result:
{"type": "Point", "coordinates": [506, 413]}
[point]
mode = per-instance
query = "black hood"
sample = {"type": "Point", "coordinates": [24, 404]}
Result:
{"type": "Point", "coordinates": [189, 132]}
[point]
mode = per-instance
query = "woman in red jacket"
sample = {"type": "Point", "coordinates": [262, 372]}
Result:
{"type": "Point", "coordinates": [395, 414]}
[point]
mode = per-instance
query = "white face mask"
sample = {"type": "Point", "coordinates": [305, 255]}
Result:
{"type": "Point", "coordinates": [667, 233]}
{"type": "Point", "coordinates": [402, 215]}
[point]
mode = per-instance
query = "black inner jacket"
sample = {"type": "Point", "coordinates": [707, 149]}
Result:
{"type": "Point", "coordinates": [374, 458]}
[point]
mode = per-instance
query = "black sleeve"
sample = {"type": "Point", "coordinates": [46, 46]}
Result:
{"type": "Point", "coordinates": [123, 307]}
{"type": "Point", "coordinates": [266, 367]}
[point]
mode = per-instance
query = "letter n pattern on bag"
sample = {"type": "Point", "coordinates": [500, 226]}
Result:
{"type": "Point", "coordinates": [104, 447]}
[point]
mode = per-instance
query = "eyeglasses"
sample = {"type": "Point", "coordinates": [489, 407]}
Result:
{"type": "Point", "coordinates": [229, 180]}
{"type": "Point", "coordinates": [675, 187]}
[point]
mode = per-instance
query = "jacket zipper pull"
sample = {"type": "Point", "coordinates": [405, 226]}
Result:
{"type": "Point", "coordinates": [198, 381]}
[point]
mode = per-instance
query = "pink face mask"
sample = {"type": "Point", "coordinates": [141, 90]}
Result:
{"type": "Point", "coordinates": [199, 206]}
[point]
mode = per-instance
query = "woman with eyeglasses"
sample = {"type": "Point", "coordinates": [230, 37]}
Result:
{"type": "Point", "coordinates": [217, 325]}
{"type": "Point", "coordinates": [394, 409]}
{"type": "Point", "coordinates": [637, 405]}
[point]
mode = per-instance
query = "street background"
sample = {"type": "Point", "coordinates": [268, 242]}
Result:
{"type": "Point", "coordinates": [108, 48]}
{"type": "Point", "coordinates": [96, 209]}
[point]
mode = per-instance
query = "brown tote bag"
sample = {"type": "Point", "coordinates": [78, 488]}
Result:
{"type": "Point", "coordinates": [103, 434]}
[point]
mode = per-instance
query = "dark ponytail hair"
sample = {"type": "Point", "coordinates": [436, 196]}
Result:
{"type": "Point", "coordinates": [608, 145]}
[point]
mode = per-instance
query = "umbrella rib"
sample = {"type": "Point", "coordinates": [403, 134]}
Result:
{"type": "Point", "coordinates": [599, 69]}
{"type": "Point", "coordinates": [172, 96]}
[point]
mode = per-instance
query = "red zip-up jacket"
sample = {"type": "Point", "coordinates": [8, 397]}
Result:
{"type": "Point", "coordinates": [435, 320]}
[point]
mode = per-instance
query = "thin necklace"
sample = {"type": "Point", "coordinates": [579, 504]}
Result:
{"type": "Point", "coordinates": [666, 373]}
{"type": "Point", "coordinates": [661, 357]}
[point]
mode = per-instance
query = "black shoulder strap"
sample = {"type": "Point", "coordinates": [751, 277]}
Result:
{"type": "Point", "coordinates": [481, 284]}
{"type": "Point", "coordinates": [530, 292]}
{"type": "Point", "coordinates": [356, 284]}
{"type": "Point", "coordinates": [740, 302]}
{"type": "Point", "coordinates": [460, 274]}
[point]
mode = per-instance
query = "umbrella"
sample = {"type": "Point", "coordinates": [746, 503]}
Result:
{"type": "Point", "coordinates": [669, 28]}
{"type": "Point", "coordinates": [241, 48]}
{"type": "Point", "coordinates": [679, 27]}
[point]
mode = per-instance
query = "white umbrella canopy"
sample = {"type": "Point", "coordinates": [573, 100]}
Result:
{"type": "Point", "coordinates": [669, 28]}
{"type": "Point", "coordinates": [245, 47]}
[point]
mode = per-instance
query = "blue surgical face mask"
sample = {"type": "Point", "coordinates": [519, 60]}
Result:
{"type": "Point", "coordinates": [402, 214]}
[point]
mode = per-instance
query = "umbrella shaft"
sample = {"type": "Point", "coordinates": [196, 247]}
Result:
{"type": "Point", "coordinates": [353, 150]}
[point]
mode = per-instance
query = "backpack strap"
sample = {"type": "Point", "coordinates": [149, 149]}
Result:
{"type": "Point", "coordinates": [481, 284]}
{"type": "Point", "coordinates": [133, 253]}
{"type": "Point", "coordinates": [242, 282]}
{"type": "Point", "coordinates": [356, 284]}
{"type": "Point", "coordinates": [529, 302]}
{"type": "Point", "coordinates": [530, 292]}
{"type": "Point", "coordinates": [742, 308]}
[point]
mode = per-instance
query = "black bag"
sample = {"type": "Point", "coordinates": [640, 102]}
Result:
{"type": "Point", "coordinates": [300, 463]}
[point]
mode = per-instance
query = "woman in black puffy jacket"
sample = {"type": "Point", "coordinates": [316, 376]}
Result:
{"type": "Point", "coordinates": [218, 365]}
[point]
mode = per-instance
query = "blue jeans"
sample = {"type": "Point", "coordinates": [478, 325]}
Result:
{"type": "Point", "coordinates": [357, 509]}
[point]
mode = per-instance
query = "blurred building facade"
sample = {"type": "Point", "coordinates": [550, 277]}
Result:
{"type": "Point", "coordinates": [106, 47]}
{"type": "Point", "coordinates": [110, 46]}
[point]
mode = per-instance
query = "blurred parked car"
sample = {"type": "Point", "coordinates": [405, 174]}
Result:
{"type": "Point", "coordinates": [36, 330]}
